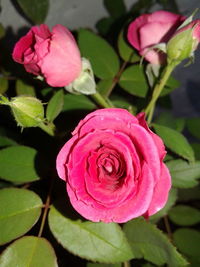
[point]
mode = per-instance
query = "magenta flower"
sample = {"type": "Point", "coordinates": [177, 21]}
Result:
{"type": "Point", "coordinates": [113, 167]}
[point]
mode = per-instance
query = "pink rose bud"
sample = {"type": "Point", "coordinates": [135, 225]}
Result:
{"type": "Point", "coordinates": [151, 29]}
{"type": "Point", "coordinates": [113, 167]}
{"type": "Point", "coordinates": [54, 55]}
{"type": "Point", "coordinates": [184, 42]}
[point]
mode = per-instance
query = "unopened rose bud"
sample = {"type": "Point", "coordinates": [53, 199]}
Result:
{"type": "Point", "coordinates": [85, 83]}
{"type": "Point", "coordinates": [184, 42]}
{"type": "Point", "coordinates": [28, 111]}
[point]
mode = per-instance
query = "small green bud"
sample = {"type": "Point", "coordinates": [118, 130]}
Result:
{"type": "Point", "coordinates": [28, 111]}
{"type": "Point", "coordinates": [85, 83]}
{"type": "Point", "coordinates": [183, 43]}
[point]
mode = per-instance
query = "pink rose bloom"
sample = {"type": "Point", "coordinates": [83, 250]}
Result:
{"type": "Point", "coordinates": [150, 29]}
{"type": "Point", "coordinates": [113, 167]}
{"type": "Point", "coordinates": [54, 55]}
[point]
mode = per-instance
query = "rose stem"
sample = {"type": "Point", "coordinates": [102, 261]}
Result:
{"type": "Point", "coordinates": [118, 75]}
{"type": "Point", "coordinates": [46, 206]}
{"type": "Point", "coordinates": [157, 90]}
{"type": "Point", "coordinates": [100, 100]}
{"type": "Point", "coordinates": [167, 226]}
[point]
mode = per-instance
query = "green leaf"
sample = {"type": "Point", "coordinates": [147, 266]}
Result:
{"type": "Point", "coordinates": [193, 126]}
{"type": "Point", "coordinates": [103, 87]}
{"type": "Point", "coordinates": [104, 25]}
{"type": "Point", "coordinates": [55, 106]}
{"type": "Point", "coordinates": [23, 88]}
{"type": "Point", "coordinates": [127, 53]}
{"type": "Point", "coordinates": [35, 10]}
{"type": "Point", "coordinates": [123, 102]}
{"type": "Point", "coordinates": [116, 10]}
{"type": "Point", "coordinates": [184, 215]}
{"type": "Point", "coordinates": [133, 81]}
{"type": "Point", "coordinates": [167, 119]}
{"type": "Point", "coordinates": [103, 58]}
{"type": "Point", "coordinates": [17, 164]}
{"type": "Point", "coordinates": [77, 102]}
{"type": "Point", "coordinates": [29, 251]}
{"type": "Point", "coordinates": [175, 141]}
{"type": "Point", "coordinates": [5, 141]}
{"type": "Point", "coordinates": [184, 174]}
{"type": "Point", "coordinates": [19, 211]}
{"type": "Point", "coordinates": [170, 202]}
{"type": "Point", "coordinates": [196, 148]}
{"type": "Point", "coordinates": [170, 86]}
{"type": "Point", "coordinates": [3, 85]}
{"type": "Point", "coordinates": [150, 243]}
{"type": "Point", "coordinates": [187, 241]}
{"type": "Point", "coordinates": [100, 242]}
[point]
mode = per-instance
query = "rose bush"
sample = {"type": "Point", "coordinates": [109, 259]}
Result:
{"type": "Point", "coordinates": [150, 29]}
{"type": "Point", "coordinates": [54, 55]}
{"type": "Point", "coordinates": [113, 167]}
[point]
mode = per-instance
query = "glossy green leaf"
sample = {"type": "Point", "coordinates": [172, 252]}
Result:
{"type": "Point", "coordinates": [3, 85]}
{"type": "Point", "coordinates": [193, 125]}
{"type": "Point", "coordinates": [35, 10]}
{"type": "Point", "coordinates": [127, 53]}
{"type": "Point", "coordinates": [77, 102]}
{"type": "Point", "coordinates": [184, 215]}
{"type": "Point", "coordinates": [167, 119]}
{"type": "Point", "coordinates": [55, 106]}
{"type": "Point", "coordinates": [29, 251]}
{"type": "Point", "coordinates": [17, 164]}
{"type": "Point", "coordinates": [133, 81]}
{"type": "Point", "coordinates": [170, 202]}
{"type": "Point", "coordinates": [184, 174]}
{"type": "Point", "coordinates": [116, 10]}
{"type": "Point", "coordinates": [104, 87]}
{"type": "Point", "coordinates": [104, 60]}
{"type": "Point", "coordinates": [148, 242]}
{"type": "Point", "coordinates": [100, 242]}
{"type": "Point", "coordinates": [19, 211]}
{"type": "Point", "coordinates": [175, 141]}
{"type": "Point", "coordinates": [187, 241]}
{"type": "Point", "coordinates": [23, 88]}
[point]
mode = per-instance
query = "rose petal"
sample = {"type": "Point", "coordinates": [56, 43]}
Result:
{"type": "Point", "coordinates": [132, 208]}
{"type": "Point", "coordinates": [161, 191]}
{"type": "Point", "coordinates": [65, 56]}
